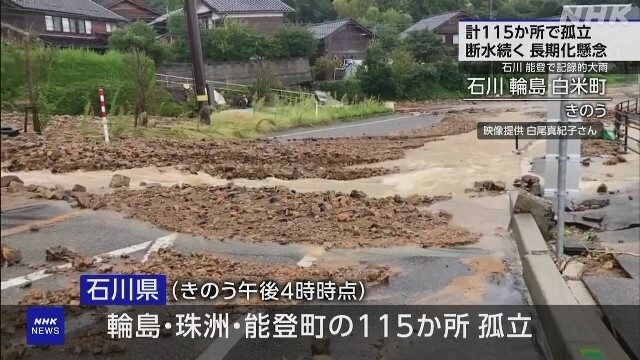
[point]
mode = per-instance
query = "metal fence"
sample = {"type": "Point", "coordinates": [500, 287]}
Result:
{"type": "Point", "coordinates": [227, 88]}
{"type": "Point", "coordinates": [627, 119]}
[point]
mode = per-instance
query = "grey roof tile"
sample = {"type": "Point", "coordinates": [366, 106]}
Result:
{"type": "Point", "coordinates": [430, 23]}
{"type": "Point", "coordinates": [246, 6]}
{"type": "Point", "coordinates": [77, 7]}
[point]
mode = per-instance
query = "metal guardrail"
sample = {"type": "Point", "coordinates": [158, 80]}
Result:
{"type": "Point", "coordinates": [231, 88]}
{"type": "Point", "coordinates": [627, 116]}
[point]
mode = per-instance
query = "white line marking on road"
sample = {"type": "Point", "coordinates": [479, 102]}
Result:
{"type": "Point", "coordinates": [344, 126]}
{"type": "Point", "coordinates": [41, 274]}
{"type": "Point", "coordinates": [160, 243]}
{"type": "Point", "coordinates": [221, 346]}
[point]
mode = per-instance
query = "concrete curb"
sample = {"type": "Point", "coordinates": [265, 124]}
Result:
{"type": "Point", "coordinates": [569, 330]}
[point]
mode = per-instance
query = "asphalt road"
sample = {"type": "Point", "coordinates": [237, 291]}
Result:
{"type": "Point", "coordinates": [374, 126]}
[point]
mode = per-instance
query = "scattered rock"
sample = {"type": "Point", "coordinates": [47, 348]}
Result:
{"type": "Point", "coordinates": [573, 270]}
{"type": "Point", "coordinates": [119, 181]}
{"type": "Point", "coordinates": [611, 161]}
{"type": "Point", "coordinates": [79, 188]}
{"type": "Point", "coordinates": [602, 189]}
{"type": "Point", "coordinates": [540, 208]}
{"type": "Point", "coordinates": [588, 178]}
{"type": "Point", "coordinates": [343, 216]}
{"type": "Point", "coordinates": [10, 256]}
{"type": "Point", "coordinates": [57, 252]}
{"type": "Point", "coordinates": [445, 214]}
{"type": "Point", "coordinates": [489, 185]}
{"type": "Point", "coordinates": [6, 180]}
{"type": "Point", "coordinates": [82, 262]}
{"type": "Point", "coordinates": [105, 268]}
{"type": "Point", "coordinates": [35, 227]}
{"type": "Point", "coordinates": [83, 199]}
{"type": "Point", "coordinates": [621, 158]}
{"type": "Point", "coordinates": [529, 183]}
{"type": "Point", "coordinates": [56, 193]}
{"type": "Point", "coordinates": [16, 186]}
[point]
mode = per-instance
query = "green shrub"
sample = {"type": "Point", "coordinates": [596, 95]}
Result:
{"type": "Point", "coordinates": [350, 89]}
{"type": "Point", "coordinates": [172, 109]}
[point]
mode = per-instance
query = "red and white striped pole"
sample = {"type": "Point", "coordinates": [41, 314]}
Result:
{"type": "Point", "coordinates": [103, 114]}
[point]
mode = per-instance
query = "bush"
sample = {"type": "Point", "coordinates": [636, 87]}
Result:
{"type": "Point", "coordinates": [12, 74]}
{"type": "Point", "coordinates": [323, 68]}
{"type": "Point", "coordinates": [350, 90]}
{"type": "Point", "coordinates": [172, 109]}
{"type": "Point", "coordinates": [295, 41]}
{"type": "Point", "coordinates": [139, 36]}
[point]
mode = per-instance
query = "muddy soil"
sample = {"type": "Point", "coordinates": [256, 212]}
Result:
{"type": "Point", "coordinates": [63, 148]}
{"type": "Point", "coordinates": [284, 216]}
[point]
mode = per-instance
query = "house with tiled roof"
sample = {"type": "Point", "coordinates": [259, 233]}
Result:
{"type": "Point", "coordinates": [266, 16]}
{"type": "Point", "coordinates": [444, 25]}
{"type": "Point", "coordinates": [342, 39]}
{"type": "Point", "coordinates": [131, 10]}
{"type": "Point", "coordinates": [63, 23]}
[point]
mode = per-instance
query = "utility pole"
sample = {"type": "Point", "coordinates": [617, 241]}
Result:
{"type": "Point", "coordinates": [195, 48]}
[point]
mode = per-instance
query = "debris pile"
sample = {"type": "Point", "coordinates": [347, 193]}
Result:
{"type": "Point", "coordinates": [590, 204]}
{"type": "Point", "coordinates": [488, 186]}
{"type": "Point", "coordinates": [282, 215]}
{"type": "Point", "coordinates": [64, 149]}
{"type": "Point", "coordinates": [599, 147]}
{"type": "Point", "coordinates": [529, 183]}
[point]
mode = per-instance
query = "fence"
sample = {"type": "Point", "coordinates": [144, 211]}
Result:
{"type": "Point", "coordinates": [627, 117]}
{"type": "Point", "coordinates": [227, 88]}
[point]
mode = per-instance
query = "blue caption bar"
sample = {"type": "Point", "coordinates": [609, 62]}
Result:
{"type": "Point", "coordinates": [107, 289]}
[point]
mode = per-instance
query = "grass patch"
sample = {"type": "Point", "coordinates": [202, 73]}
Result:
{"type": "Point", "coordinates": [241, 124]}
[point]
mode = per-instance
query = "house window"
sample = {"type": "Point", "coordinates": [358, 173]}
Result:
{"type": "Point", "coordinates": [81, 26]}
{"type": "Point", "coordinates": [65, 25]}
{"type": "Point", "coordinates": [57, 24]}
{"type": "Point", "coordinates": [72, 25]}
{"type": "Point", "coordinates": [87, 27]}
{"type": "Point", "coordinates": [48, 21]}
{"type": "Point", "coordinates": [455, 38]}
{"type": "Point", "coordinates": [444, 38]}
{"type": "Point", "coordinates": [111, 27]}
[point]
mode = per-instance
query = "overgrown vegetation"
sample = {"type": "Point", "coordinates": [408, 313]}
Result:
{"type": "Point", "coordinates": [247, 124]}
{"type": "Point", "coordinates": [66, 81]}
{"type": "Point", "coordinates": [233, 41]}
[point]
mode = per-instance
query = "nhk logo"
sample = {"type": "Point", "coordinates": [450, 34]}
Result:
{"type": "Point", "coordinates": [599, 13]}
{"type": "Point", "coordinates": [45, 326]}
{"type": "Point", "coordinates": [45, 321]}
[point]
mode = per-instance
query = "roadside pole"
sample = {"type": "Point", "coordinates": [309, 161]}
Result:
{"type": "Point", "coordinates": [202, 99]}
{"type": "Point", "coordinates": [562, 183]}
{"type": "Point", "coordinates": [103, 114]}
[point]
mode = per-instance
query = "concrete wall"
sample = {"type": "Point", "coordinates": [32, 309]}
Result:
{"type": "Point", "coordinates": [289, 71]}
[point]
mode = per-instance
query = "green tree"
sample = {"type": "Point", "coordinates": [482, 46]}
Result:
{"type": "Point", "coordinates": [310, 11]}
{"type": "Point", "coordinates": [375, 74]}
{"type": "Point", "coordinates": [142, 74]}
{"type": "Point", "coordinates": [425, 46]}
{"type": "Point", "coordinates": [352, 8]}
{"type": "Point", "coordinates": [295, 41]}
{"type": "Point", "coordinates": [234, 41]}
{"type": "Point", "coordinates": [137, 36]}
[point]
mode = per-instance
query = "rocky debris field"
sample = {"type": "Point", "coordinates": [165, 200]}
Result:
{"type": "Point", "coordinates": [210, 267]}
{"type": "Point", "coordinates": [63, 148]}
{"type": "Point", "coordinates": [285, 216]}
{"type": "Point", "coordinates": [594, 148]}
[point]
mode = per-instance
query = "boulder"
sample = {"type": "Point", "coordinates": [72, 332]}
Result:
{"type": "Point", "coordinates": [10, 256]}
{"type": "Point", "coordinates": [541, 210]}
{"type": "Point", "coordinates": [602, 189]}
{"type": "Point", "coordinates": [16, 186]}
{"type": "Point", "coordinates": [6, 180]}
{"type": "Point", "coordinates": [119, 181]}
{"type": "Point", "coordinates": [79, 188]}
